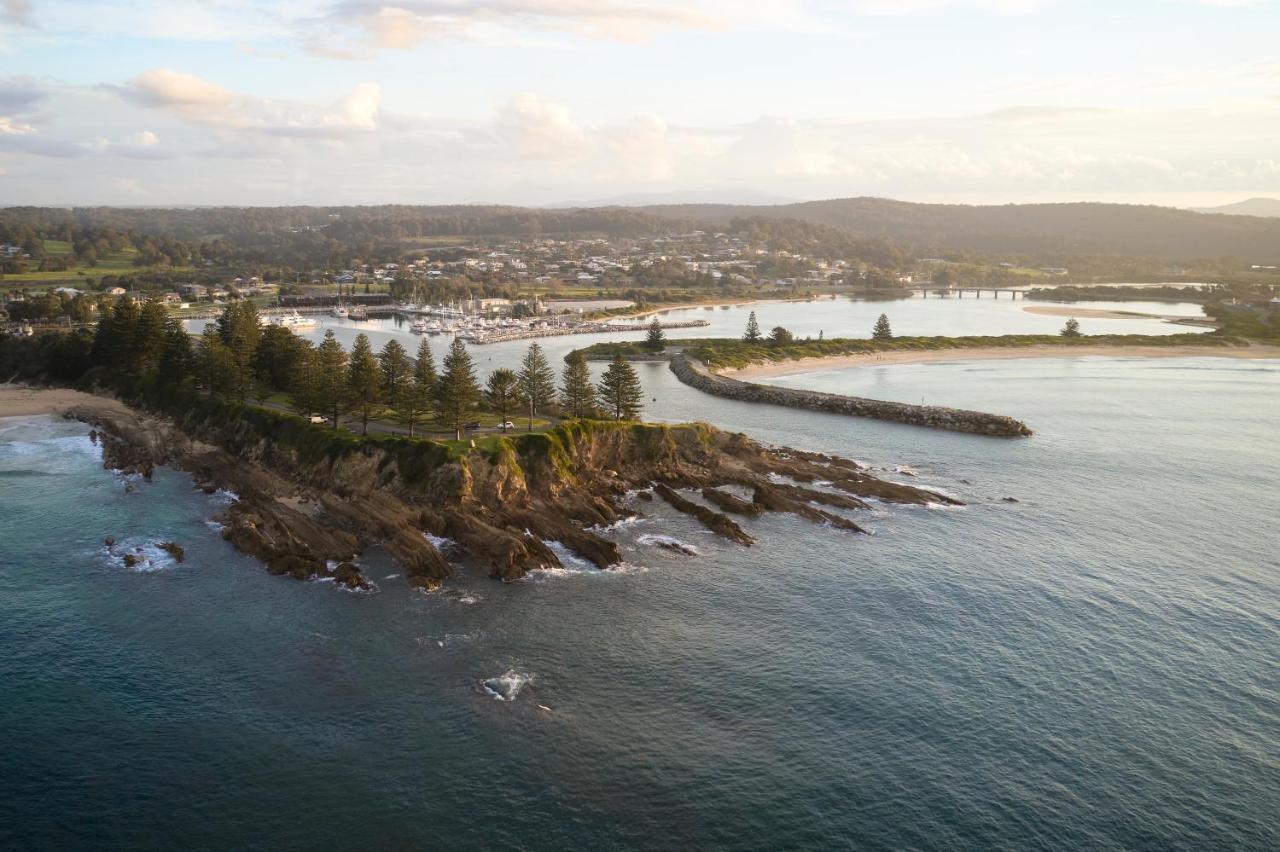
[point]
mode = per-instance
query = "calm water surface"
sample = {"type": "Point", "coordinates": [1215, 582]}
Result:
{"type": "Point", "coordinates": [1093, 666]}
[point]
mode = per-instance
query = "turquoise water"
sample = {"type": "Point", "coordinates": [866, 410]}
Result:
{"type": "Point", "coordinates": [1093, 666]}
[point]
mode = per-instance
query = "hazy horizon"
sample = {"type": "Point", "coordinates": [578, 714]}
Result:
{"type": "Point", "coordinates": [555, 102]}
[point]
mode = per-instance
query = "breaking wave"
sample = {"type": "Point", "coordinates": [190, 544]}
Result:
{"type": "Point", "coordinates": [505, 687]}
{"type": "Point", "coordinates": [667, 542]}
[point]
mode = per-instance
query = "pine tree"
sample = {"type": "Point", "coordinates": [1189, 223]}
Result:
{"type": "Point", "coordinates": [364, 381]}
{"type": "Point", "coordinates": [1071, 329]}
{"type": "Point", "coordinates": [276, 359]}
{"type": "Point", "coordinates": [620, 390]}
{"type": "Point", "coordinates": [216, 364]}
{"type": "Point", "coordinates": [577, 394]}
{"type": "Point", "coordinates": [753, 334]}
{"type": "Point", "coordinates": [882, 331]}
{"type": "Point", "coordinates": [304, 381]}
{"type": "Point", "coordinates": [655, 341]}
{"type": "Point", "coordinates": [537, 381]}
{"type": "Point", "coordinates": [148, 338]}
{"type": "Point", "coordinates": [457, 391]}
{"type": "Point", "coordinates": [502, 392]}
{"type": "Point", "coordinates": [397, 371]}
{"type": "Point", "coordinates": [176, 359]}
{"type": "Point", "coordinates": [330, 379]}
{"type": "Point", "coordinates": [420, 390]}
{"type": "Point", "coordinates": [240, 332]}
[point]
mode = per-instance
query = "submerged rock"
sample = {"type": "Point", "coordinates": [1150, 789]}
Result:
{"type": "Point", "coordinates": [174, 550]}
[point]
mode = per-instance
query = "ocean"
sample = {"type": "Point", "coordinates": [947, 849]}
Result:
{"type": "Point", "coordinates": [1091, 666]}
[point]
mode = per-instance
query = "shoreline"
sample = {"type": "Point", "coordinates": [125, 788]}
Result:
{"type": "Point", "coordinates": [26, 401]}
{"type": "Point", "coordinates": [994, 353]}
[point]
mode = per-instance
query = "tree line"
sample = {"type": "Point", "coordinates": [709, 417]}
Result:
{"type": "Point", "coordinates": [141, 347]}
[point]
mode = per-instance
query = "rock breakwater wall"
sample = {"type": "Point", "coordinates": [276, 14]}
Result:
{"type": "Point", "coordinates": [696, 374]}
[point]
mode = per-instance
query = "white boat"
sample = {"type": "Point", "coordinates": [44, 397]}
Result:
{"type": "Point", "coordinates": [420, 327]}
{"type": "Point", "coordinates": [358, 312]}
{"type": "Point", "coordinates": [294, 321]}
{"type": "Point", "coordinates": [433, 326]}
{"type": "Point", "coordinates": [340, 312]}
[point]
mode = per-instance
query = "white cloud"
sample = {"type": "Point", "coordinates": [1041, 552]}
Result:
{"type": "Point", "coordinates": [198, 101]}
{"type": "Point", "coordinates": [12, 127]}
{"type": "Point", "coordinates": [142, 139]}
{"type": "Point", "coordinates": [536, 129]}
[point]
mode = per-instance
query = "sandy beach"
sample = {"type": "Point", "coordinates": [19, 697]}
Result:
{"type": "Point", "coordinates": [23, 401]}
{"type": "Point", "coordinates": [995, 353]}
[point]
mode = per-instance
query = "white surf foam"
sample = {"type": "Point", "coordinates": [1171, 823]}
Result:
{"type": "Point", "coordinates": [506, 686]}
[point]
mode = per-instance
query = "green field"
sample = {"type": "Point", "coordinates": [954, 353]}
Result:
{"type": "Point", "coordinates": [118, 263]}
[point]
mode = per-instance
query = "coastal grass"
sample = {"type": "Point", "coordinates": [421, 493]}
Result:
{"type": "Point", "coordinates": [731, 353]}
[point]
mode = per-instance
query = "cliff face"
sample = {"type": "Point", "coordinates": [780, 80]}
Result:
{"type": "Point", "coordinates": [310, 497]}
{"type": "Point", "coordinates": [695, 374]}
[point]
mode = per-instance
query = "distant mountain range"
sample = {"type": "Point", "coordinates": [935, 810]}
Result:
{"type": "Point", "coordinates": [1269, 207]}
{"type": "Point", "coordinates": [1125, 230]}
{"type": "Point", "coordinates": [723, 195]}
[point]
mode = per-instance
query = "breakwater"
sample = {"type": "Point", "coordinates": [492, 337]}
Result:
{"type": "Point", "coordinates": [696, 374]}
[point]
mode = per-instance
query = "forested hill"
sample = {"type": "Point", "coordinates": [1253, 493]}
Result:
{"type": "Point", "coordinates": [1026, 229]}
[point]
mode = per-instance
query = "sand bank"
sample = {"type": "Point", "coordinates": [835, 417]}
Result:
{"type": "Point", "coordinates": [23, 401]}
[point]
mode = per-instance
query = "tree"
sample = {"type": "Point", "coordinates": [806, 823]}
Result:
{"type": "Point", "coordinates": [176, 359]}
{"type": "Point", "coordinates": [304, 381]}
{"type": "Point", "coordinates": [655, 341]}
{"type": "Point", "coordinates": [420, 389]}
{"type": "Point", "coordinates": [537, 381]}
{"type": "Point", "coordinates": [275, 361]}
{"type": "Point", "coordinates": [1071, 329]}
{"type": "Point", "coordinates": [882, 331]}
{"type": "Point", "coordinates": [620, 389]}
{"type": "Point", "coordinates": [502, 392]}
{"type": "Point", "coordinates": [457, 391]}
{"type": "Point", "coordinates": [240, 331]}
{"type": "Point", "coordinates": [330, 379]}
{"type": "Point", "coordinates": [216, 364]}
{"type": "Point", "coordinates": [780, 336]}
{"type": "Point", "coordinates": [148, 338]}
{"type": "Point", "coordinates": [397, 373]}
{"type": "Point", "coordinates": [364, 381]}
{"type": "Point", "coordinates": [753, 334]}
{"type": "Point", "coordinates": [577, 394]}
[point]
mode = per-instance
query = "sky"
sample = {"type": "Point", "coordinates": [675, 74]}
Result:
{"type": "Point", "coordinates": [185, 102]}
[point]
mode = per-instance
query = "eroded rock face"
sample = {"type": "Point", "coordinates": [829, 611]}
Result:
{"type": "Point", "coordinates": [301, 515]}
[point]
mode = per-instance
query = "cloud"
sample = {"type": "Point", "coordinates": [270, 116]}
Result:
{"type": "Point", "coordinates": [189, 96]}
{"type": "Point", "coordinates": [142, 139]}
{"type": "Point", "coordinates": [353, 28]}
{"type": "Point", "coordinates": [536, 129]}
{"type": "Point", "coordinates": [20, 93]}
{"type": "Point", "coordinates": [198, 101]}
{"type": "Point", "coordinates": [17, 12]}
{"type": "Point", "coordinates": [11, 127]}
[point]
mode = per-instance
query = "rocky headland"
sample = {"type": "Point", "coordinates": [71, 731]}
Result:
{"type": "Point", "coordinates": [310, 499]}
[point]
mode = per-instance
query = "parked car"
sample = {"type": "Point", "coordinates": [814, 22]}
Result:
{"type": "Point", "coordinates": [508, 425]}
{"type": "Point", "coordinates": [472, 426]}
{"type": "Point", "coordinates": [318, 418]}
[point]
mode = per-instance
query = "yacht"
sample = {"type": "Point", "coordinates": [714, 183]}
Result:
{"type": "Point", "coordinates": [293, 321]}
{"type": "Point", "coordinates": [340, 312]}
{"type": "Point", "coordinates": [421, 327]}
